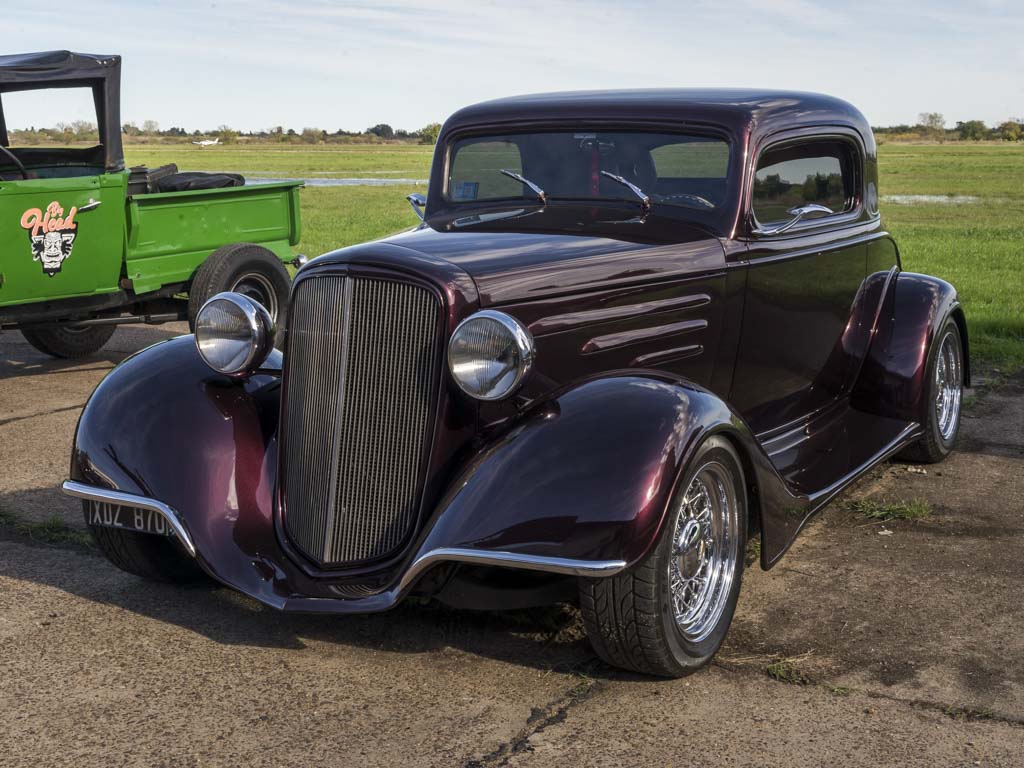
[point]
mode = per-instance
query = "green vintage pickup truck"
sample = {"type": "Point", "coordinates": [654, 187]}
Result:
{"type": "Point", "coordinates": [86, 244]}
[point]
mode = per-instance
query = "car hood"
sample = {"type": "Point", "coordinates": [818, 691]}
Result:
{"type": "Point", "coordinates": [523, 254]}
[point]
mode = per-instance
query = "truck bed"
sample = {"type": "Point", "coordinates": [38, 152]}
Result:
{"type": "Point", "coordinates": [170, 233]}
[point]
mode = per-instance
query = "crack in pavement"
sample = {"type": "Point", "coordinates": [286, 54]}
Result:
{"type": "Point", "coordinates": [540, 718]}
{"type": "Point", "coordinates": [953, 711]}
{"type": "Point", "coordinates": [5, 422]}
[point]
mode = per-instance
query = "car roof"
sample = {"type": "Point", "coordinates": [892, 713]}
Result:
{"type": "Point", "coordinates": [736, 110]}
{"type": "Point", "coordinates": [64, 69]}
{"type": "Point", "coordinates": [54, 66]}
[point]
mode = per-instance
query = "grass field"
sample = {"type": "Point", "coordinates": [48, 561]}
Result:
{"type": "Point", "coordinates": [350, 160]}
{"type": "Point", "coordinates": [978, 245]}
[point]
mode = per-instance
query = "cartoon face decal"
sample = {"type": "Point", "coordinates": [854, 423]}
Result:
{"type": "Point", "coordinates": [51, 235]}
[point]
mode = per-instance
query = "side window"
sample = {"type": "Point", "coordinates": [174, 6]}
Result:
{"type": "Point", "coordinates": [476, 170]}
{"type": "Point", "coordinates": [48, 116]}
{"type": "Point", "coordinates": [819, 172]}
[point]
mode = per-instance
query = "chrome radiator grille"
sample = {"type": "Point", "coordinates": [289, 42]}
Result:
{"type": "Point", "coordinates": [362, 363]}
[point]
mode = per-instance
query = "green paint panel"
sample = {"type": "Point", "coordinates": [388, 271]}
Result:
{"type": "Point", "coordinates": [154, 240]}
{"type": "Point", "coordinates": [171, 234]}
{"type": "Point", "coordinates": [51, 257]}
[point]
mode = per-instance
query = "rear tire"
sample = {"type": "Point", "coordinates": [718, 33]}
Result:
{"type": "Point", "coordinates": [69, 342]}
{"type": "Point", "coordinates": [653, 619]}
{"type": "Point", "coordinates": [156, 558]}
{"type": "Point", "coordinates": [944, 398]}
{"type": "Point", "coordinates": [245, 268]}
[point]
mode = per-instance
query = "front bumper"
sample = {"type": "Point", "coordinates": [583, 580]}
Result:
{"type": "Point", "coordinates": [424, 560]}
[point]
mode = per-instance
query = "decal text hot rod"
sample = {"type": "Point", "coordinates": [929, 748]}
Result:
{"type": "Point", "coordinates": [634, 330]}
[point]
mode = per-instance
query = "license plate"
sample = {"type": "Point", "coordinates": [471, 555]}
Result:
{"type": "Point", "coordinates": [129, 518]}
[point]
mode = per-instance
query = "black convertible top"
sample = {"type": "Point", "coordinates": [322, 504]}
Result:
{"type": "Point", "coordinates": [64, 69]}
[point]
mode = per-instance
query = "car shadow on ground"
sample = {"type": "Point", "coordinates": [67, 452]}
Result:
{"type": "Point", "coordinates": [547, 638]}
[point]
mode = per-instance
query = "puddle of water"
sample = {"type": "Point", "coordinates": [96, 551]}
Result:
{"type": "Point", "coordinates": [367, 173]}
{"type": "Point", "coordinates": [324, 179]}
{"type": "Point", "coordinates": [940, 199]}
{"type": "Point", "coordinates": [337, 182]}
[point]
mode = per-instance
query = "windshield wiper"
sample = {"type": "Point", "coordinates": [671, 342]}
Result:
{"type": "Point", "coordinates": [540, 193]}
{"type": "Point", "coordinates": [487, 218]}
{"type": "Point", "coordinates": [645, 201]}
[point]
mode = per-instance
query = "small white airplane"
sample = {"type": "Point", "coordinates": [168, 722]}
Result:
{"type": "Point", "coordinates": [207, 142]}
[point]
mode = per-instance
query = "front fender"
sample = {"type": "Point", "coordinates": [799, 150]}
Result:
{"type": "Point", "coordinates": [587, 475]}
{"type": "Point", "coordinates": [164, 426]}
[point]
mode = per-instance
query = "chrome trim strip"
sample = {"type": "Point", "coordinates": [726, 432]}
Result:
{"type": "Point", "coordinates": [563, 565]}
{"type": "Point", "coordinates": [92, 493]}
{"type": "Point", "coordinates": [638, 335]}
{"type": "Point", "coordinates": [572, 321]}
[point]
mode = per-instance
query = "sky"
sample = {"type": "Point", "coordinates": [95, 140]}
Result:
{"type": "Point", "coordinates": [254, 64]}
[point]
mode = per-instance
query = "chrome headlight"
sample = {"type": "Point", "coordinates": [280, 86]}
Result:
{"type": "Point", "coordinates": [234, 334]}
{"type": "Point", "coordinates": [490, 354]}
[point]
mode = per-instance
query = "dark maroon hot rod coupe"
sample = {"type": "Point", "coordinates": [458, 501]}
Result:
{"type": "Point", "coordinates": [634, 329]}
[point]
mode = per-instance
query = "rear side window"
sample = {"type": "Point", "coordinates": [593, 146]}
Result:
{"type": "Point", "coordinates": [41, 117]}
{"type": "Point", "coordinates": [821, 172]}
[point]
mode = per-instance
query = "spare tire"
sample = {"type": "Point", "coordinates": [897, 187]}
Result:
{"type": "Point", "coordinates": [245, 268]}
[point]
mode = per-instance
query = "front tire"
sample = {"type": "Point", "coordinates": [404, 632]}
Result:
{"type": "Point", "coordinates": [669, 614]}
{"type": "Point", "coordinates": [69, 342]}
{"type": "Point", "coordinates": [944, 398]}
{"type": "Point", "coordinates": [156, 558]}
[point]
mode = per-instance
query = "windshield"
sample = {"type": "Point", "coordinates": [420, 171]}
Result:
{"type": "Point", "coordinates": [673, 171]}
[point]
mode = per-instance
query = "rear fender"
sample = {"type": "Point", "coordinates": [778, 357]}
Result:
{"type": "Point", "coordinates": [892, 381]}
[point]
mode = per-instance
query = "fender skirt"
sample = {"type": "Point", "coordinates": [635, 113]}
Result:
{"type": "Point", "coordinates": [580, 485]}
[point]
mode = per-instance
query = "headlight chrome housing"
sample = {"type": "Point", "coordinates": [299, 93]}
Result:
{"type": "Point", "coordinates": [234, 334]}
{"type": "Point", "coordinates": [490, 354]}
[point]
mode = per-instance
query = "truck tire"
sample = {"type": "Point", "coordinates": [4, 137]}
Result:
{"type": "Point", "coordinates": [252, 270]}
{"type": "Point", "coordinates": [69, 341]}
{"type": "Point", "coordinates": [156, 558]}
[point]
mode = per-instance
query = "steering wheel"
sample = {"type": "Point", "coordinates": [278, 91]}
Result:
{"type": "Point", "coordinates": [15, 160]}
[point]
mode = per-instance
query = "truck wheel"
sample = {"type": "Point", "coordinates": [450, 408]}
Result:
{"type": "Point", "coordinates": [69, 341]}
{"type": "Point", "coordinates": [668, 614]}
{"type": "Point", "coordinates": [252, 270]}
{"type": "Point", "coordinates": [945, 386]}
{"type": "Point", "coordinates": [152, 557]}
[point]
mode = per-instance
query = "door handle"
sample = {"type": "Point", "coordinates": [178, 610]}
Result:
{"type": "Point", "coordinates": [92, 205]}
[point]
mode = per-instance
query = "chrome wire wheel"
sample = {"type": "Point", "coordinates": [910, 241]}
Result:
{"type": "Point", "coordinates": [705, 548]}
{"type": "Point", "coordinates": [259, 288]}
{"type": "Point", "coordinates": [948, 386]}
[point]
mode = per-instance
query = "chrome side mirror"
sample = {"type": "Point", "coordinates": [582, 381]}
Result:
{"type": "Point", "coordinates": [799, 213]}
{"type": "Point", "coordinates": [418, 203]}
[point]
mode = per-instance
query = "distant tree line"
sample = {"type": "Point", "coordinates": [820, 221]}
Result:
{"type": "Point", "coordinates": [931, 126]}
{"type": "Point", "coordinates": [81, 131]}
